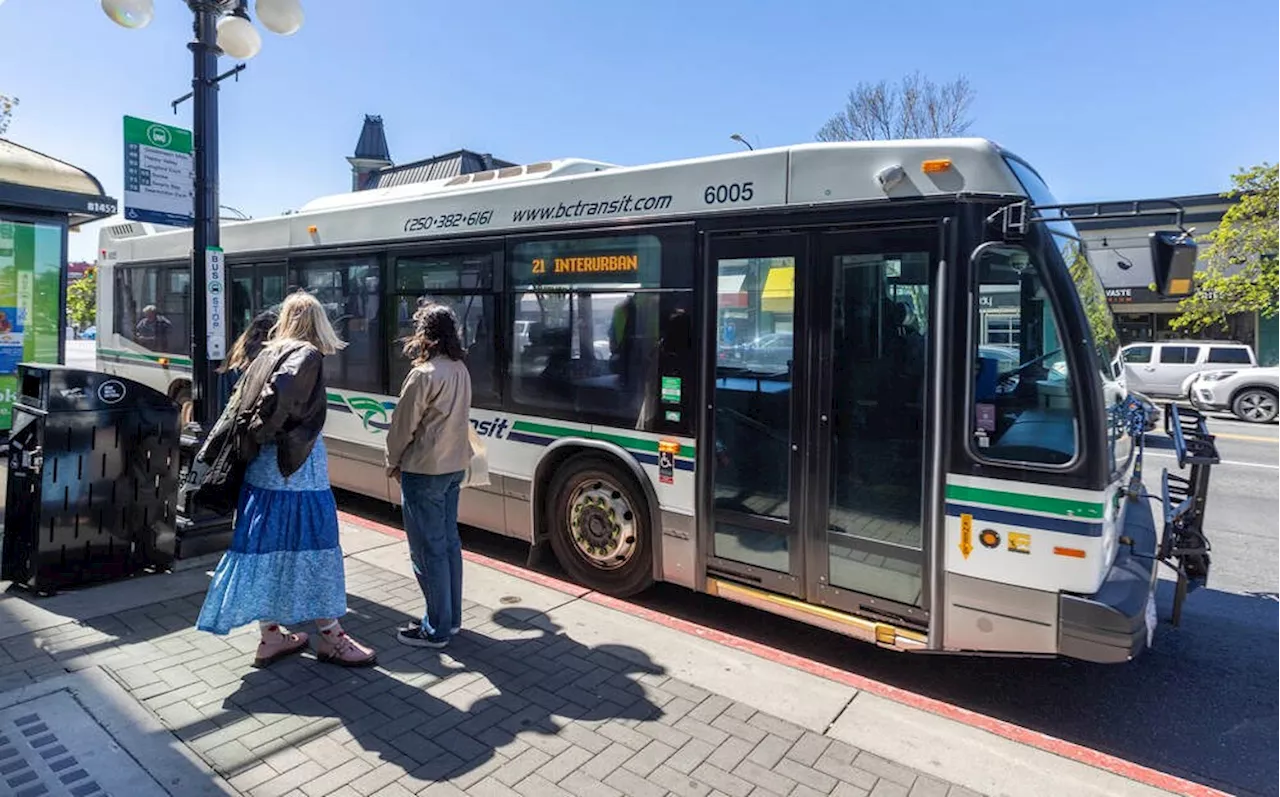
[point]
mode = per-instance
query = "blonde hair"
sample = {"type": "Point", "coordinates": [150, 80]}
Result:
{"type": "Point", "coordinates": [302, 317]}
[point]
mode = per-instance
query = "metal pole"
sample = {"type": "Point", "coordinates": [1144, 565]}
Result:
{"type": "Point", "coordinates": [204, 90]}
{"type": "Point", "coordinates": [200, 531]}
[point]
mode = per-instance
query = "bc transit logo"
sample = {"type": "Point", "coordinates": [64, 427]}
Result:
{"type": "Point", "coordinates": [375, 414]}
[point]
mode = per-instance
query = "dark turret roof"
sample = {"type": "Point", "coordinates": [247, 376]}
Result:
{"type": "Point", "coordinates": [373, 140]}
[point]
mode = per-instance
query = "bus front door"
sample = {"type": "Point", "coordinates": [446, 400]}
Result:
{"type": "Point", "coordinates": [819, 416]}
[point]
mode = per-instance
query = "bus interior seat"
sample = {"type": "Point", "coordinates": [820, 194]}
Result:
{"type": "Point", "coordinates": [1038, 435]}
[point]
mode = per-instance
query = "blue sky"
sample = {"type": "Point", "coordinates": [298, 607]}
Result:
{"type": "Point", "coordinates": [1107, 99]}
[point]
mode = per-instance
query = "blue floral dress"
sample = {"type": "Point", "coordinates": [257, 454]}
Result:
{"type": "Point", "coordinates": [285, 562]}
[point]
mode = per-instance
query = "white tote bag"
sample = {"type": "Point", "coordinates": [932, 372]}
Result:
{"type": "Point", "coordinates": [478, 471]}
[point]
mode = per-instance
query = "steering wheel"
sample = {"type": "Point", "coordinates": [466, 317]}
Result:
{"type": "Point", "coordinates": [1015, 373]}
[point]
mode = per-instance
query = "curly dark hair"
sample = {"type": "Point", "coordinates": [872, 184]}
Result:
{"type": "Point", "coordinates": [250, 342]}
{"type": "Point", "coordinates": [435, 331]}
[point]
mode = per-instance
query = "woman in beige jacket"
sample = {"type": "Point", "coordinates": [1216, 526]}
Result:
{"type": "Point", "coordinates": [428, 448]}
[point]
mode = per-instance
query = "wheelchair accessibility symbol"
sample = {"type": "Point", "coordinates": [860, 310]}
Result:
{"type": "Point", "coordinates": [667, 450]}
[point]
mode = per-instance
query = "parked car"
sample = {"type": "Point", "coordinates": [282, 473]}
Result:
{"type": "Point", "coordinates": [769, 353]}
{"type": "Point", "coordinates": [1166, 369]}
{"type": "Point", "coordinates": [1250, 394]}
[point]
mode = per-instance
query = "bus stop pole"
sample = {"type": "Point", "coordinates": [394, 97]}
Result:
{"type": "Point", "coordinates": [200, 531]}
{"type": "Point", "coordinates": [205, 234]}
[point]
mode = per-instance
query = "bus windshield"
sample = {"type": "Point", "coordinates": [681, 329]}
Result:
{"type": "Point", "coordinates": [1075, 255]}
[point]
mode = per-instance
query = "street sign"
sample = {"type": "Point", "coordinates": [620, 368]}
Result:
{"type": "Point", "coordinates": [159, 181]}
{"type": "Point", "coordinates": [215, 303]}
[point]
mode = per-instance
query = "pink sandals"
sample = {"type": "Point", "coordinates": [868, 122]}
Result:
{"type": "Point", "coordinates": [277, 644]}
{"type": "Point", "coordinates": [335, 647]}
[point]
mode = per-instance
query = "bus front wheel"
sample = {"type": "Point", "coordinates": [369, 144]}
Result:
{"type": "Point", "coordinates": [600, 527]}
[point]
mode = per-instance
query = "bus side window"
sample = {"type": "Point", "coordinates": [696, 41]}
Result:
{"type": "Point", "coordinates": [152, 307]}
{"type": "Point", "coordinates": [464, 282]}
{"type": "Point", "coordinates": [1025, 412]}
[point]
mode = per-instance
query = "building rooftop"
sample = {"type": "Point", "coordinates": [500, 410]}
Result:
{"type": "Point", "coordinates": [440, 167]}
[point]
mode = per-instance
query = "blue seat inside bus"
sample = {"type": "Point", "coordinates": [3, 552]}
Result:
{"type": "Point", "coordinates": [1038, 435]}
{"type": "Point", "coordinates": [987, 379]}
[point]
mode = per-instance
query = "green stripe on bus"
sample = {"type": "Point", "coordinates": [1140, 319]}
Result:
{"type": "Point", "coordinates": [632, 443]}
{"type": "Point", "coordinates": [1035, 503]}
{"type": "Point", "coordinates": [146, 358]}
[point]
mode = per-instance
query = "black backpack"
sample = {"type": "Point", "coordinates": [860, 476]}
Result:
{"type": "Point", "coordinates": [217, 473]}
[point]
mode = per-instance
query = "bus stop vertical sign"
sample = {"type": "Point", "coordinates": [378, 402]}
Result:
{"type": "Point", "coordinates": [215, 303]}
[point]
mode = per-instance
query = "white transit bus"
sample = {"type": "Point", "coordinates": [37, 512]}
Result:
{"type": "Point", "coordinates": [869, 386]}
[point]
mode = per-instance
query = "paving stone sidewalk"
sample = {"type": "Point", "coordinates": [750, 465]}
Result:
{"type": "Point", "coordinates": [514, 706]}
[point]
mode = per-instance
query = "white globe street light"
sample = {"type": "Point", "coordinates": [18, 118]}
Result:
{"type": "Point", "coordinates": [236, 35]}
{"type": "Point", "coordinates": [129, 13]}
{"type": "Point", "coordinates": [238, 38]}
{"type": "Point", "coordinates": [280, 16]}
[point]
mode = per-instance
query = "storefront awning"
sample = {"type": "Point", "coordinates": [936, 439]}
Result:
{"type": "Point", "coordinates": [35, 182]}
{"type": "Point", "coordinates": [779, 291]}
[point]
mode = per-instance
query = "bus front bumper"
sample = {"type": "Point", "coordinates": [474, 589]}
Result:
{"type": "Point", "coordinates": [1116, 623]}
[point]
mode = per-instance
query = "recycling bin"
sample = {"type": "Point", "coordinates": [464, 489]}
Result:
{"type": "Point", "coordinates": [92, 479]}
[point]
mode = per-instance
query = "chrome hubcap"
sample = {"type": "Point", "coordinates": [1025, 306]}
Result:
{"type": "Point", "coordinates": [1258, 406]}
{"type": "Point", "coordinates": [602, 524]}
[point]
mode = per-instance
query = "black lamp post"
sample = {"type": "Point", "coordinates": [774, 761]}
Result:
{"type": "Point", "coordinates": [220, 27]}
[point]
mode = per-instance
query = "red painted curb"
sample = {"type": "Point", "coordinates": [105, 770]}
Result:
{"type": "Point", "coordinates": [1007, 730]}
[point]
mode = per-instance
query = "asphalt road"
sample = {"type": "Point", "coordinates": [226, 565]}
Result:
{"type": "Point", "coordinates": [1202, 704]}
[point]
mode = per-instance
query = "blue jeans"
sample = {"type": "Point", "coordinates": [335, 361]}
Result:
{"type": "Point", "coordinates": [431, 524]}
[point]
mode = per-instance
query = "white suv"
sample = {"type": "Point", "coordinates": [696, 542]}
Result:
{"type": "Point", "coordinates": [1168, 368]}
{"type": "Point", "coordinates": [1250, 394]}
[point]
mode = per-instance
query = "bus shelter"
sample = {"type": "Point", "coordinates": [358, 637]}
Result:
{"type": "Point", "coordinates": [41, 198]}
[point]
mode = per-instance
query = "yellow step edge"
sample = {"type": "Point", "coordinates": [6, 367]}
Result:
{"type": "Point", "coordinates": [884, 634]}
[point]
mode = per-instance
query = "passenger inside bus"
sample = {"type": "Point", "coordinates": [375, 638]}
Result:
{"type": "Point", "coordinates": [152, 330]}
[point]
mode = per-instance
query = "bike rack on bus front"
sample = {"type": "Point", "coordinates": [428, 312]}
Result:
{"type": "Point", "coordinates": [1184, 546]}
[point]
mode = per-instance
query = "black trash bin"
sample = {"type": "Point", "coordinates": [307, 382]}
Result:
{"type": "Point", "coordinates": [93, 475]}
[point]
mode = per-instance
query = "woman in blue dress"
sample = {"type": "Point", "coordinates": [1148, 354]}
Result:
{"type": "Point", "coordinates": [285, 565]}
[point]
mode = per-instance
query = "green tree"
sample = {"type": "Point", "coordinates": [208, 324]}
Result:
{"type": "Point", "coordinates": [1239, 257]}
{"type": "Point", "coordinates": [82, 299]}
{"type": "Point", "coordinates": [7, 104]}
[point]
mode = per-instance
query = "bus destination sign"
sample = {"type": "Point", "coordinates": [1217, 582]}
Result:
{"type": "Point", "coordinates": [585, 265]}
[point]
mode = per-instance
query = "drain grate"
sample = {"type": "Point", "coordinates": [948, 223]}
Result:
{"type": "Point", "coordinates": [32, 759]}
{"type": "Point", "coordinates": [52, 747]}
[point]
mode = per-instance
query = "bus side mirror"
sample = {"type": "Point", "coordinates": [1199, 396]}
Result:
{"type": "Point", "coordinates": [1173, 261]}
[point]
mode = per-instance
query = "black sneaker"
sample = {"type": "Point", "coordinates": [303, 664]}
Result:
{"type": "Point", "coordinates": [417, 638]}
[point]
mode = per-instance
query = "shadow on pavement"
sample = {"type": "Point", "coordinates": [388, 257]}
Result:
{"type": "Point", "coordinates": [446, 714]}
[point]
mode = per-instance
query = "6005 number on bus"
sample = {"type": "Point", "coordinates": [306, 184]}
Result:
{"type": "Point", "coordinates": [733, 192]}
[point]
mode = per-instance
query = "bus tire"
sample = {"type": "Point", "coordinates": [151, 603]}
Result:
{"type": "Point", "coordinates": [600, 526]}
{"type": "Point", "coordinates": [186, 405]}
